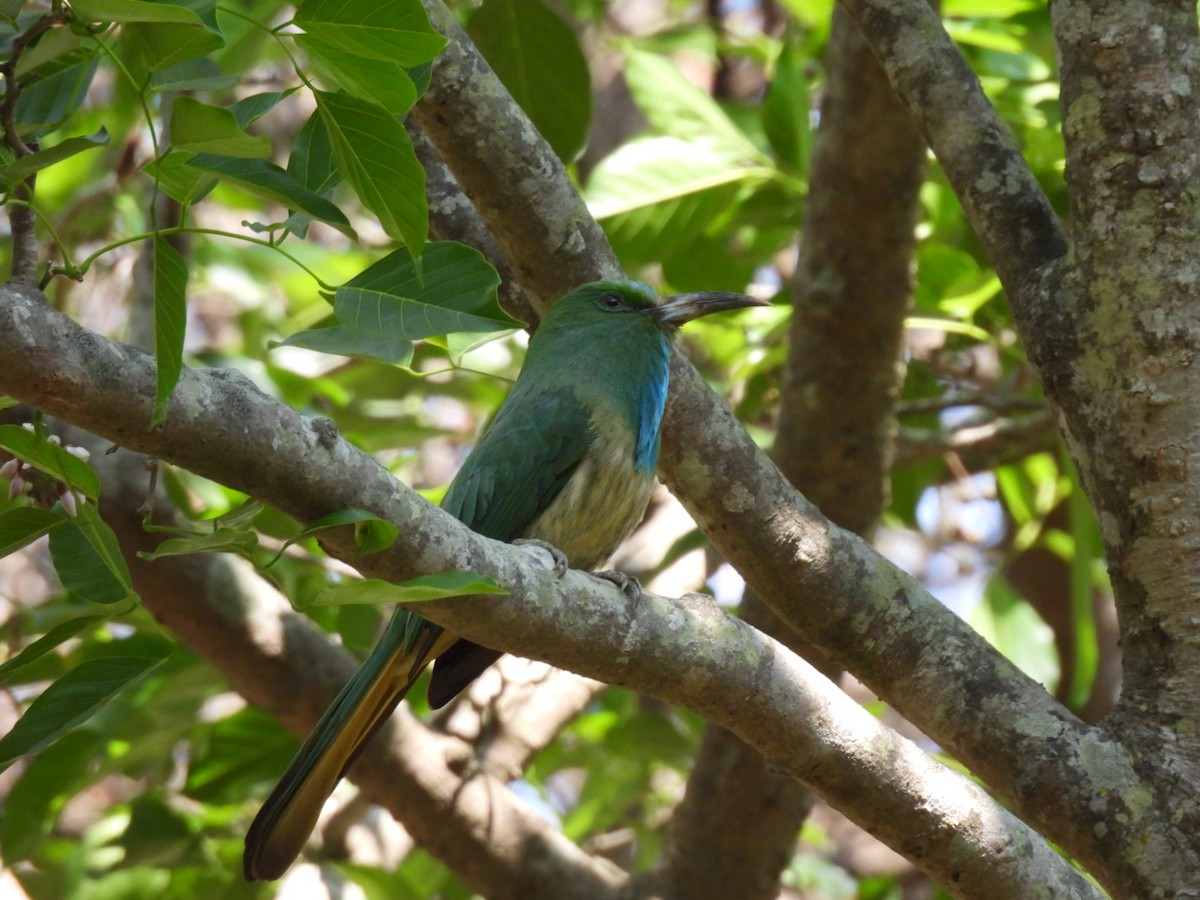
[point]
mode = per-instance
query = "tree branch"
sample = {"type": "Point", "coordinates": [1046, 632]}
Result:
{"type": "Point", "coordinates": [687, 652]}
{"type": "Point", "coordinates": [1130, 115]}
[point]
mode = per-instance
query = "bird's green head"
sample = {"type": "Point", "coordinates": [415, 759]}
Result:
{"type": "Point", "coordinates": [602, 301]}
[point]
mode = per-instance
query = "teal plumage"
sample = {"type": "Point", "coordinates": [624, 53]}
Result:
{"type": "Point", "coordinates": [569, 460]}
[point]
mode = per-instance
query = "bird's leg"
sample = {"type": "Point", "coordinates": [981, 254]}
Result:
{"type": "Point", "coordinates": [627, 584]}
{"type": "Point", "coordinates": [560, 562]}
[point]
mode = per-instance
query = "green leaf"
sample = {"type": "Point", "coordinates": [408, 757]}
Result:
{"type": "Point", "coordinates": [675, 106]}
{"type": "Point", "coordinates": [786, 109]}
{"type": "Point", "coordinates": [34, 651]}
{"type": "Point", "coordinates": [371, 533]}
{"type": "Point", "coordinates": [656, 195]}
{"type": "Point", "coordinates": [194, 75]}
{"type": "Point", "coordinates": [254, 107]}
{"type": "Point", "coordinates": [56, 50]}
{"type": "Point", "coordinates": [71, 700]}
{"type": "Point", "coordinates": [51, 459]}
{"type": "Point", "coordinates": [385, 83]}
{"type": "Point", "coordinates": [268, 180]}
{"type": "Point", "coordinates": [42, 159]}
{"type": "Point", "coordinates": [88, 559]}
{"type": "Point", "coordinates": [161, 46]}
{"type": "Point", "coordinates": [537, 56]}
{"type": "Point", "coordinates": [387, 307]}
{"type": "Point", "coordinates": [397, 31]}
{"type": "Point", "coordinates": [170, 318]}
{"type": "Point", "coordinates": [311, 164]}
{"type": "Point", "coordinates": [177, 179]}
{"type": "Point", "coordinates": [221, 540]}
{"type": "Point", "coordinates": [203, 128]}
{"type": "Point", "coordinates": [374, 154]}
{"type": "Point", "coordinates": [415, 590]}
{"type": "Point", "coordinates": [43, 106]}
{"type": "Point", "coordinates": [132, 11]}
{"type": "Point", "coordinates": [23, 525]}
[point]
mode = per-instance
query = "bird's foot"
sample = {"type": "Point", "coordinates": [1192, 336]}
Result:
{"type": "Point", "coordinates": [627, 584]}
{"type": "Point", "coordinates": [560, 564]}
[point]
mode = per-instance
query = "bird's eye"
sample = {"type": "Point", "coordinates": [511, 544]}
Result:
{"type": "Point", "coordinates": [611, 301]}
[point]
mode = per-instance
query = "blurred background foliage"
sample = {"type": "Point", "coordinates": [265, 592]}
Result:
{"type": "Point", "coordinates": [688, 127]}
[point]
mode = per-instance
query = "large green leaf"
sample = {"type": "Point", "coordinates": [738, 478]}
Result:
{"type": "Point", "coordinates": [71, 700]}
{"type": "Point", "coordinates": [43, 106]}
{"type": "Point", "coordinates": [45, 644]}
{"type": "Point", "coordinates": [88, 559]}
{"type": "Point", "coordinates": [35, 162]}
{"type": "Point", "coordinates": [385, 83]}
{"type": "Point", "coordinates": [202, 128]}
{"type": "Point", "coordinates": [675, 106]}
{"type": "Point", "coordinates": [373, 152]}
{"type": "Point", "coordinates": [537, 56]}
{"type": "Point", "coordinates": [194, 75]}
{"type": "Point", "coordinates": [655, 195]}
{"type": "Point", "coordinates": [383, 310]}
{"type": "Point", "coordinates": [161, 46]}
{"type": "Point", "coordinates": [268, 180]}
{"type": "Point", "coordinates": [170, 317]}
{"type": "Point", "coordinates": [132, 11]}
{"type": "Point", "coordinates": [397, 31]}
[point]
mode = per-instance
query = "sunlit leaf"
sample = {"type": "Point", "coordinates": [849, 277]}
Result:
{"type": "Point", "coordinates": [675, 106]}
{"type": "Point", "coordinates": [202, 128]}
{"type": "Point", "coordinates": [415, 590]}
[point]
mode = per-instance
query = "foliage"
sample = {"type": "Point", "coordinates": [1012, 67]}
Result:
{"type": "Point", "coordinates": [257, 153]}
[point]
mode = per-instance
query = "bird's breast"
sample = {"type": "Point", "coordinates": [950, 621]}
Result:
{"type": "Point", "coordinates": [602, 502]}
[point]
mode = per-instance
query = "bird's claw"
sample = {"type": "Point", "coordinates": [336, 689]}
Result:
{"type": "Point", "coordinates": [559, 559]}
{"type": "Point", "coordinates": [627, 584]}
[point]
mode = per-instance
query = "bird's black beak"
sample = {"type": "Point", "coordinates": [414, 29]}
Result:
{"type": "Point", "coordinates": [679, 309]}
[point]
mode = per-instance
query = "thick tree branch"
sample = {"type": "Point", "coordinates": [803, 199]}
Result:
{"type": "Point", "coordinates": [1131, 109]}
{"type": "Point", "coordinates": [687, 652]}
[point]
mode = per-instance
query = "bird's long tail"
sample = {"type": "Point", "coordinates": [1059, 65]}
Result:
{"type": "Point", "coordinates": [289, 815]}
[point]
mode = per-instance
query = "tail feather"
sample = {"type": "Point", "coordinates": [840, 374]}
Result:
{"type": "Point", "coordinates": [288, 816]}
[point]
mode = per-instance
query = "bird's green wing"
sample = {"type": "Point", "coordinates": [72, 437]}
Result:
{"type": "Point", "coordinates": [521, 463]}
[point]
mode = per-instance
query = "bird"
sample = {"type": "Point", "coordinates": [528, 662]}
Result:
{"type": "Point", "coordinates": [568, 461]}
